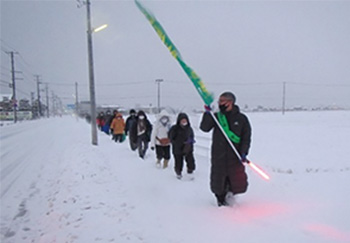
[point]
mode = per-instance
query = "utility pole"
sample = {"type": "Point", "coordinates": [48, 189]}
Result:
{"type": "Point", "coordinates": [91, 76]}
{"type": "Point", "coordinates": [53, 104]}
{"type": "Point", "coordinates": [32, 102]}
{"type": "Point", "coordinates": [284, 98]}
{"type": "Point", "coordinates": [32, 98]}
{"type": "Point", "coordinates": [159, 81]}
{"type": "Point", "coordinates": [76, 99]}
{"type": "Point", "coordinates": [14, 99]}
{"type": "Point", "coordinates": [59, 101]}
{"type": "Point", "coordinates": [47, 100]}
{"type": "Point", "coordinates": [38, 91]}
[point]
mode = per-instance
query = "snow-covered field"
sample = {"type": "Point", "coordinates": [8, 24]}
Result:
{"type": "Point", "coordinates": [57, 187]}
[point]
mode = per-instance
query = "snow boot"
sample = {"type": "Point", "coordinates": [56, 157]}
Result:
{"type": "Point", "coordinates": [165, 163]}
{"type": "Point", "coordinates": [158, 163]}
{"type": "Point", "coordinates": [221, 199]}
{"type": "Point", "coordinates": [190, 176]}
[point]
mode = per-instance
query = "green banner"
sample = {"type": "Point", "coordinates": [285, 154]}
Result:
{"type": "Point", "coordinates": [196, 80]}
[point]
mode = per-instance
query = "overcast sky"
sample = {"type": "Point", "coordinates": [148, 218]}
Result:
{"type": "Point", "coordinates": [247, 47]}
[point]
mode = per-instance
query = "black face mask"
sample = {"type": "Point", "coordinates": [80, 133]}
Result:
{"type": "Point", "coordinates": [223, 108]}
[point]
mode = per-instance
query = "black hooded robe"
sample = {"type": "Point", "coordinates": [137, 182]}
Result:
{"type": "Point", "coordinates": [225, 165]}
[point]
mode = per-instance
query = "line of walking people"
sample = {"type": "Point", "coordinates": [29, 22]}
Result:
{"type": "Point", "coordinates": [160, 136]}
{"type": "Point", "coordinates": [229, 128]}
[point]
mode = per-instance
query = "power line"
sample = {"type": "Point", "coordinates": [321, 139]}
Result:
{"type": "Point", "coordinates": [29, 78]}
{"type": "Point", "coordinates": [10, 47]}
{"type": "Point", "coordinates": [320, 84]}
{"type": "Point", "coordinates": [4, 85]}
{"type": "Point", "coordinates": [8, 69]}
{"type": "Point", "coordinates": [6, 82]}
{"type": "Point", "coordinates": [5, 74]}
{"type": "Point", "coordinates": [22, 92]}
{"type": "Point", "coordinates": [3, 50]}
{"type": "Point", "coordinates": [124, 83]}
{"type": "Point", "coordinates": [59, 84]}
{"type": "Point", "coordinates": [25, 62]}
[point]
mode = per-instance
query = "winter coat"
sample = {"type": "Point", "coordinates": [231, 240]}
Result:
{"type": "Point", "coordinates": [129, 121]}
{"type": "Point", "coordinates": [133, 131]}
{"type": "Point", "coordinates": [100, 121]}
{"type": "Point", "coordinates": [224, 162]}
{"type": "Point", "coordinates": [160, 131]}
{"type": "Point", "coordinates": [118, 124]}
{"type": "Point", "coordinates": [182, 138]}
{"type": "Point", "coordinates": [108, 119]}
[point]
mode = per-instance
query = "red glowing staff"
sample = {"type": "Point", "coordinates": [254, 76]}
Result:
{"type": "Point", "coordinates": [258, 170]}
{"type": "Point", "coordinates": [251, 164]}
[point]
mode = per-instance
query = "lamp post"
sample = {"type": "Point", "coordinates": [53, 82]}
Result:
{"type": "Point", "coordinates": [91, 77]}
{"type": "Point", "coordinates": [159, 81]}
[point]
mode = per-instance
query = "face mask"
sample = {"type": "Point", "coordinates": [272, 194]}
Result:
{"type": "Point", "coordinates": [141, 117]}
{"type": "Point", "coordinates": [183, 124]}
{"type": "Point", "coordinates": [164, 120]}
{"type": "Point", "coordinates": [223, 108]}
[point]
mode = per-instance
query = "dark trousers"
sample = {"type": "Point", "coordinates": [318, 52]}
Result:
{"type": "Point", "coordinates": [227, 188]}
{"type": "Point", "coordinates": [142, 144]}
{"type": "Point", "coordinates": [118, 137]}
{"type": "Point", "coordinates": [179, 162]}
{"type": "Point", "coordinates": [133, 145]}
{"type": "Point", "coordinates": [163, 152]}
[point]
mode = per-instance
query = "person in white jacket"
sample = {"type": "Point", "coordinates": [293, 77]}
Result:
{"type": "Point", "coordinates": [160, 139]}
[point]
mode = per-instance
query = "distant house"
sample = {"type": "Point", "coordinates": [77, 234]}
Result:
{"type": "Point", "coordinates": [5, 102]}
{"type": "Point", "coordinates": [6, 108]}
{"type": "Point", "coordinates": [4, 97]}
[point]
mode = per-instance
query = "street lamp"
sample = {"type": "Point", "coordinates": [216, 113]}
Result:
{"type": "Point", "coordinates": [91, 73]}
{"type": "Point", "coordinates": [100, 28]}
{"type": "Point", "coordinates": [159, 81]}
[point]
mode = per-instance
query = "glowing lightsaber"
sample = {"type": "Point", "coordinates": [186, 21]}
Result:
{"type": "Point", "coordinates": [258, 170]}
{"type": "Point", "coordinates": [253, 166]}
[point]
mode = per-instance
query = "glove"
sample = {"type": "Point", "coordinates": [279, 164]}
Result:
{"type": "Point", "coordinates": [207, 108]}
{"type": "Point", "coordinates": [152, 148]}
{"type": "Point", "coordinates": [244, 158]}
{"type": "Point", "coordinates": [190, 141]}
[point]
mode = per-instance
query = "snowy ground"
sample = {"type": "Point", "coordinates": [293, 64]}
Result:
{"type": "Point", "coordinates": [57, 187]}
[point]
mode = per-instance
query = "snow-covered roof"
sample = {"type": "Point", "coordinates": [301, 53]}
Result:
{"type": "Point", "coordinates": [5, 96]}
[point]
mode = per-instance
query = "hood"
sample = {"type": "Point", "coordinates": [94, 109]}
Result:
{"type": "Point", "coordinates": [142, 113]}
{"type": "Point", "coordinates": [180, 117]}
{"type": "Point", "coordinates": [162, 114]}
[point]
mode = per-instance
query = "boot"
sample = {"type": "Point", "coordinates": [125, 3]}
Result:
{"type": "Point", "coordinates": [221, 199]}
{"type": "Point", "coordinates": [165, 163]}
{"type": "Point", "coordinates": [158, 163]}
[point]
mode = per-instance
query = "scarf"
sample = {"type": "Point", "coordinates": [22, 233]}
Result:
{"type": "Point", "coordinates": [224, 124]}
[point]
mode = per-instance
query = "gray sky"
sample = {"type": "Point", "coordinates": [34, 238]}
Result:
{"type": "Point", "coordinates": [247, 47]}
